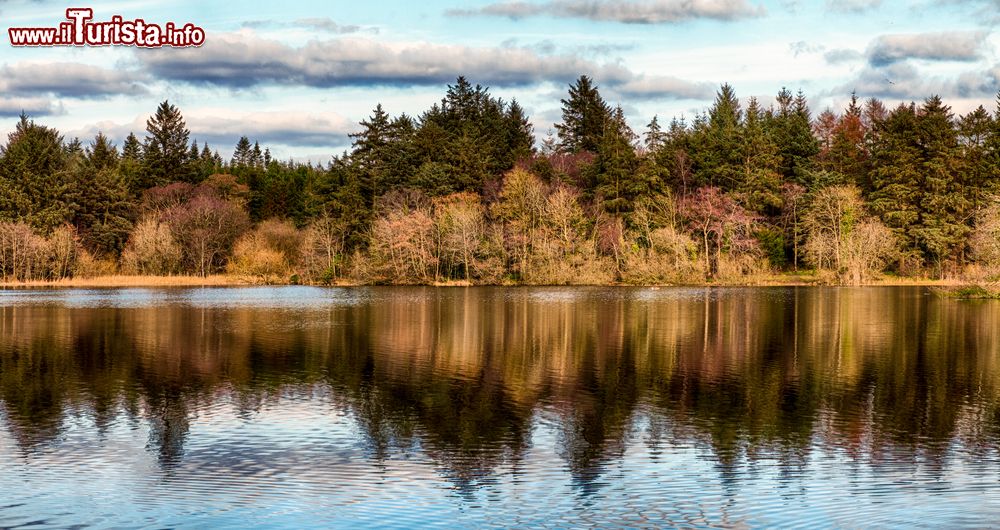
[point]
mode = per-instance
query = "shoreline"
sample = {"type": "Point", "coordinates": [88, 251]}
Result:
{"type": "Point", "coordinates": [222, 280]}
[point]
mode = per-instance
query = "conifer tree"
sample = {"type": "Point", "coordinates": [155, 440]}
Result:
{"type": "Point", "coordinates": [846, 154]}
{"type": "Point", "coordinates": [718, 147]}
{"type": "Point", "coordinates": [975, 131]}
{"type": "Point", "coordinates": [616, 178]}
{"type": "Point", "coordinates": [166, 148]}
{"type": "Point", "coordinates": [132, 148]}
{"type": "Point", "coordinates": [369, 154]}
{"type": "Point", "coordinates": [897, 178]}
{"type": "Point", "coordinates": [584, 115]}
{"type": "Point", "coordinates": [944, 203]}
{"type": "Point", "coordinates": [242, 154]}
{"type": "Point", "coordinates": [759, 186]}
{"type": "Point", "coordinates": [792, 132]}
{"type": "Point", "coordinates": [102, 154]}
{"type": "Point", "coordinates": [36, 185]}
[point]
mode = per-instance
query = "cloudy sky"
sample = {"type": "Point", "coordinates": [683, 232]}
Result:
{"type": "Point", "coordinates": [297, 76]}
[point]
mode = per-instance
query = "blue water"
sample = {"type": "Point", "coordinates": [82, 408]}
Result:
{"type": "Point", "coordinates": [302, 407]}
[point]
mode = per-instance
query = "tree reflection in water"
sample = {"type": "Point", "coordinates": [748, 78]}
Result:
{"type": "Point", "coordinates": [463, 376]}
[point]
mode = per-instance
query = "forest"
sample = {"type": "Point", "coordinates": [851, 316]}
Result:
{"type": "Point", "coordinates": [465, 193]}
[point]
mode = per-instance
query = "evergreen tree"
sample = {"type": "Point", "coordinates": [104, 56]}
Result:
{"type": "Point", "coordinates": [104, 213]}
{"type": "Point", "coordinates": [166, 148]}
{"type": "Point", "coordinates": [944, 204]}
{"type": "Point", "coordinates": [519, 137]}
{"type": "Point", "coordinates": [655, 137]}
{"type": "Point", "coordinates": [992, 153]}
{"type": "Point", "coordinates": [584, 115]}
{"type": "Point", "coordinates": [242, 155]}
{"type": "Point", "coordinates": [130, 165]}
{"type": "Point", "coordinates": [132, 149]}
{"type": "Point", "coordinates": [718, 146]}
{"type": "Point", "coordinates": [102, 154]}
{"type": "Point", "coordinates": [616, 178]}
{"type": "Point", "coordinates": [674, 157]}
{"type": "Point", "coordinates": [369, 151]}
{"type": "Point", "coordinates": [791, 130]}
{"type": "Point", "coordinates": [975, 131]}
{"type": "Point", "coordinates": [759, 186]}
{"type": "Point", "coordinates": [256, 156]}
{"type": "Point", "coordinates": [897, 178]}
{"type": "Point", "coordinates": [36, 186]}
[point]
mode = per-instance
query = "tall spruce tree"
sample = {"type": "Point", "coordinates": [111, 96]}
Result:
{"type": "Point", "coordinates": [975, 131]}
{"type": "Point", "coordinates": [166, 148]}
{"type": "Point", "coordinates": [944, 203]}
{"type": "Point", "coordinates": [36, 185]}
{"type": "Point", "coordinates": [242, 155]}
{"type": "Point", "coordinates": [759, 186]}
{"type": "Point", "coordinates": [792, 131]}
{"type": "Point", "coordinates": [369, 153]}
{"type": "Point", "coordinates": [616, 178]}
{"type": "Point", "coordinates": [718, 146]}
{"type": "Point", "coordinates": [584, 116]}
{"type": "Point", "coordinates": [897, 177]}
{"type": "Point", "coordinates": [102, 154]}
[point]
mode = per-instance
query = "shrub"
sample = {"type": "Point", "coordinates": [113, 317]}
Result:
{"type": "Point", "coordinates": [269, 252]}
{"type": "Point", "coordinates": [151, 249]}
{"type": "Point", "coordinates": [206, 227]}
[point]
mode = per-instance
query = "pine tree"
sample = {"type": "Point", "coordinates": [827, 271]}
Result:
{"type": "Point", "coordinates": [242, 155]}
{"type": "Point", "coordinates": [74, 147]}
{"type": "Point", "coordinates": [519, 138]}
{"type": "Point", "coordinates": [846, 155]}
{"type": "Point", "coordinates": [654, 138]}
{"type": "Point", "coordinates": [717, 150]}
{"type": "Point", "coordinates": [256, 156]}
{"type": "Point", "coordinates": [616, 178]}
{"type": "Point", "coordinates": [130, 165]}
{"type": "Point", "coordinates": [941, 229]}
{"type": "Point", "coordinates": [759, 186]}
{"type": "Point", "coordinates": [975, 131]}
{"type": "Point", "coordinates": [792, 132]}
{"type": "Point", "coordinates": [166, 146]}
{"type": "Point", "coordinates": [675, 156]}
{"type": "Point", "coordinates": [992, 153]}
{"type": "Point", "coordinates": [37, 186]}
{"type": "Point", "coordinates": [102, 154]}
{"type": "Point", "coordinates": [584, 115]}
{"type": "Point", "coordinates": [132, 149]}
{"type": "Point", "coordinates": [369, 154]}
{"type": "Point", "coordinates": [897, 178]}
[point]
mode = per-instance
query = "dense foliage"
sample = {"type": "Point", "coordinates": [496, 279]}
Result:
{"type": "Point", "coordinates": [463, 192]}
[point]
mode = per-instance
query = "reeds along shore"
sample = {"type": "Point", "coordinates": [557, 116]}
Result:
{"type": "Point", "coordinates": [464, 193]}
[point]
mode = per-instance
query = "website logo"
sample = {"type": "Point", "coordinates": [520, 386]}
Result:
{"type": "Point", "coordinates": [79, 29]}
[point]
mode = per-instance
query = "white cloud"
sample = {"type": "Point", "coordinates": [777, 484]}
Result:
{"type": "Point", "coordinates": [629, 12]}
{"type": "Point", "coordinates": [943, 46]}
{"type": "Point", "coordinates": [32, 106]}
{"type": "Point", "coordinates": [240, 60]}
{"type": "Point", "coordinates": [222, 128]}
{"type": "Point", "coordinates": [73, 80]}
{"type": "Point", "coordinates": [852, 6]}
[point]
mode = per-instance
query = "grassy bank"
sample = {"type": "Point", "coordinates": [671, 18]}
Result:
{"type": "Point", "coordinates": [764, 280]}
{"type": "Point", "coordinates": [136, 281]}
{"type": "Point", "coordinates": [970, 292]}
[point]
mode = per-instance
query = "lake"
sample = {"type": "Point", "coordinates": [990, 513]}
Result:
{"type": "Point", "coordinates": [498, 407]}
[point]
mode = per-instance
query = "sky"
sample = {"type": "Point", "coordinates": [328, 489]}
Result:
{"type": "Point", "coordinates": [299, 76]}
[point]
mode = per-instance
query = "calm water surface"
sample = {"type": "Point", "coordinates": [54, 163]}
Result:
{"type": "Point", "coordinates": [483, 407]}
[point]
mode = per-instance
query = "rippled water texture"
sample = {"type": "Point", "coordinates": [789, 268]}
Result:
{"type": "Point", "coordinates": [413, 407]}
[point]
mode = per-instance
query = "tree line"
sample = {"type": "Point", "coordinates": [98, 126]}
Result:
{"type": "Point", "coordinates": [464, 192]}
